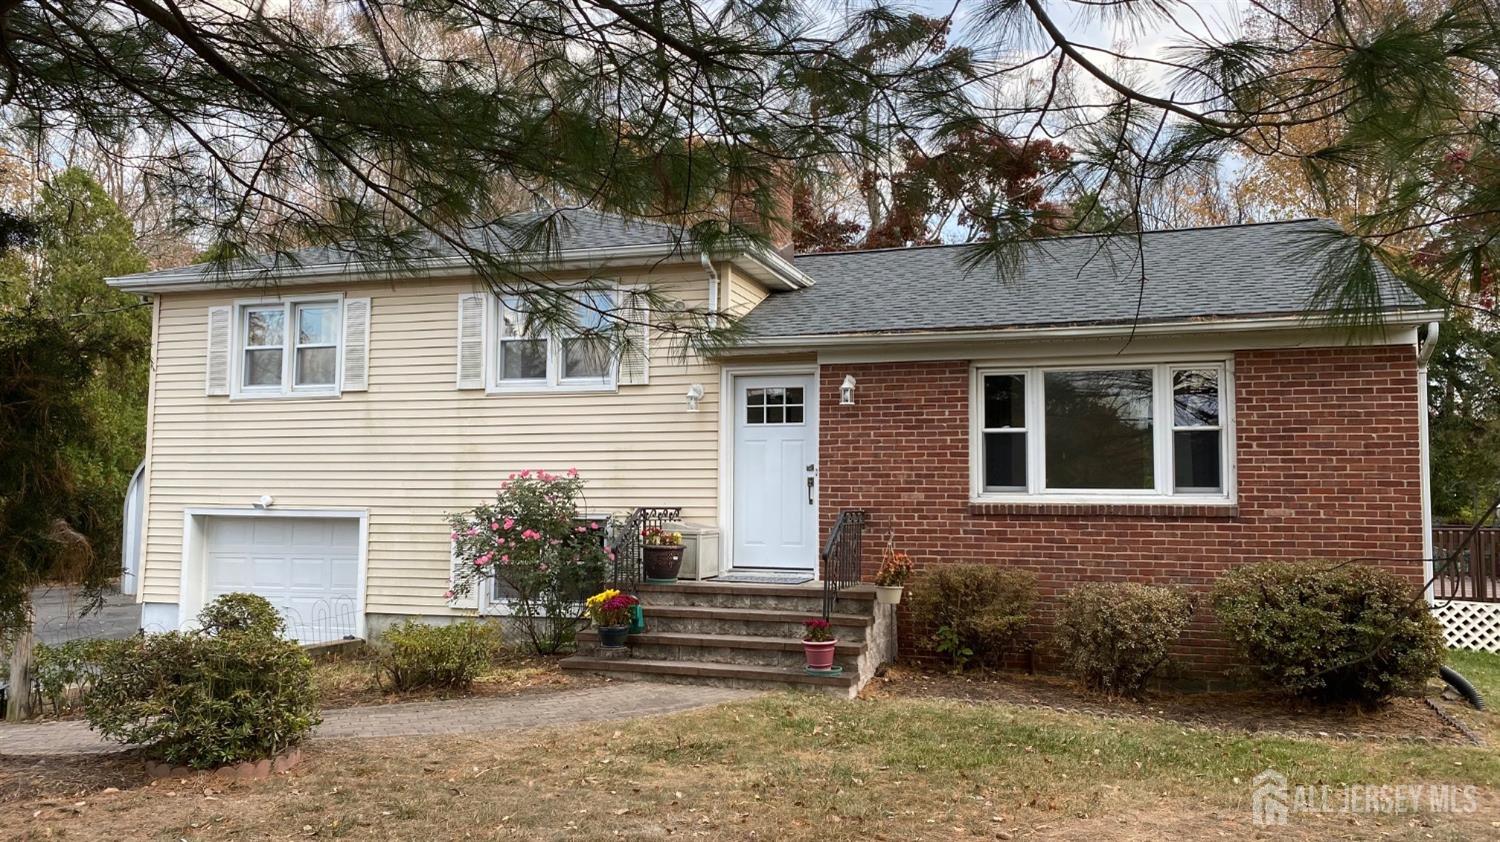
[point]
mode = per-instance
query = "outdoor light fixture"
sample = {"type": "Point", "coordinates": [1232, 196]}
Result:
{"type": "Point", "coordinates": [266, 501]}
{"type": "Point", "coordinates": [694, 394]}
{"type": "Point", "coordinates": [846, 391]}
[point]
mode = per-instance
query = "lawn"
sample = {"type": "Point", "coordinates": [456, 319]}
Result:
{"type": "Point", "coordinates": [780, 767]}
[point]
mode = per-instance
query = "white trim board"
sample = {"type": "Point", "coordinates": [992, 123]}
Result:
{"type": "Point", "coordinates": [727, 373]}
{"type": "Point", "coordinates": [190, 583]}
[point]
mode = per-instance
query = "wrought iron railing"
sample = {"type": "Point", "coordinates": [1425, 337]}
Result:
{"type": "Point", "coordinates": [841, 556]}
{"type": "Point", "coordinates": [625, 541]}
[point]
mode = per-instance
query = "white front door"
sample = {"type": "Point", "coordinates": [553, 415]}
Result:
{"type": "Point", "coordinates": [775, 472]}
{"type": "Point", "coordinates": [307, 567]}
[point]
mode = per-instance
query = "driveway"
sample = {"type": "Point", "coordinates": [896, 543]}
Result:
{"type": "Point", "coordinates": [56, 612]}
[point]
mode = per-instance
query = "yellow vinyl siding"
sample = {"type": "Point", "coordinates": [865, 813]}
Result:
{"type": "Point", "coordinates": [414, 447]}
{"type": "Point", "coordinates": [744, 292]}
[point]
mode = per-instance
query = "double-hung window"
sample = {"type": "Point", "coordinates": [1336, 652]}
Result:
{"type": "Point", "coordinates": [288, 347]}
{"type": "Point", "coordinates": [579, 357]}
{"type": "Point", "coordinates": [1153, 432]}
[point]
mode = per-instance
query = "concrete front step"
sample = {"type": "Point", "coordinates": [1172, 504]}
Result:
{"type": "Point", "coordinates": [724, 648]}
{"type": "Point", "coordinates": [717, 674]}
{"type": "Point", "coordinates": [748, 622]}
{"type": "Point", "coordinates": [806, 598]}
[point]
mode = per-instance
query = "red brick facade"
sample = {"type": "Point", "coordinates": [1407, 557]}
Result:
{"type": "Point", "coordinates": [1328, 454]}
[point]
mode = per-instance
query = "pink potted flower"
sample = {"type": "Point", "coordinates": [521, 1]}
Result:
{"type": "Point", "coordinates": [818, 644]}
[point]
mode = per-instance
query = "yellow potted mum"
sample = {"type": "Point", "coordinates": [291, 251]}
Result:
{"type": "Point", "coordinates": [610, 612]}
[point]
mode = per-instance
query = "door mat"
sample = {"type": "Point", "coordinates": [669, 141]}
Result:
{"type": "Point", "coordinates": [763, 578]}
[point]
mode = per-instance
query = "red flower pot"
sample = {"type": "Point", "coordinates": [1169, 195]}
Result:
{"type": "Point", "coordinates": [819, 653]}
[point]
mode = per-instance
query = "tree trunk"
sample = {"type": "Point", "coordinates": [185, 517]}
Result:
{"type": "Point", "coordinates": [18, 702]}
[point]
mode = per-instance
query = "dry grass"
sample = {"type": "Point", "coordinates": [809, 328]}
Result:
{"type": "Point", "coordinates": [783, 767]}
{"type": "Point", "coordinates": [350, 680]}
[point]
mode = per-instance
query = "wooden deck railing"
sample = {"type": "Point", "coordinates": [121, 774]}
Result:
{"type": "Point", "coordinates": [1471, 572]}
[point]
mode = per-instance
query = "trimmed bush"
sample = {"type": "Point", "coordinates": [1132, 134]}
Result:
{"type": "Point", "coordinates": [205, 700]}
{"type": "Point", "coordinates": [976, 612]}
{"type": "Point", "coordinates": [1329, 632]}
{"type": "Point", "coordinates": [1114, 636]}
{"type": "Point", "coordinates": [241, 613]}
{"type": "Point", "coordinates": [413, 655]}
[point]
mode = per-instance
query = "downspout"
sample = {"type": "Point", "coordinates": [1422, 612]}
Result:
{"type": "Point", "coordinates": [1424, 354]}
{"type": "Point", "coordinates": [713, 288]}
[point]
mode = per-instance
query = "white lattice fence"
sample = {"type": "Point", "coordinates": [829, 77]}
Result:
{"type": "Point", "coordinates": [1470, 625]}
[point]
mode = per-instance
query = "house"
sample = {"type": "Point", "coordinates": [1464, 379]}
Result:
{"type": "Point", "coordinates": [306, 437]}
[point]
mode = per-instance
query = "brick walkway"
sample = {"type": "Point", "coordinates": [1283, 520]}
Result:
{"type": "Point", "coordinates": [460, 716]}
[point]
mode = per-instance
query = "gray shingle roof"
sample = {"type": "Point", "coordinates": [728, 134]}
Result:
{"type": "Point", "coordinates": [576, 229]}
{"type": "Point", "coordinates": [1191, 274]}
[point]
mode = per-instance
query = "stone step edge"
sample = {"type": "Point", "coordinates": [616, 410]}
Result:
{"type": "Point", "coordinates": [812, 590]}
{"type": "Point", "coordinates": [727, 641]}
{"type": "Point", "coordinates": [708, 669]}
{"type": "Point", "coordinates": [760, 615]}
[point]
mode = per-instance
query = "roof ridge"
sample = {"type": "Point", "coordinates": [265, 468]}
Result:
{"type": "Point", "coordinates": [1187, 228]}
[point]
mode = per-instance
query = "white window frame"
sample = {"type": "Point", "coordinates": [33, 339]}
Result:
{"type": "Point", "coordinates": [287, 388]}
{"type": "Point", "coordinates": [1162, 428]}
{"type": "Point", "coordinates": [554, 381]}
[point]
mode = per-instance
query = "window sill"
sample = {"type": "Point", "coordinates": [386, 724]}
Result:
{"type": "Point", "coordinates": [564, 389]}
{"type": "Point", "coordinates": [284, 396]}
{"type": "Point", "coordinates": [1216, 510]}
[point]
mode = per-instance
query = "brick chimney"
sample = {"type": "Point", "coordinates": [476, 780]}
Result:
{"type": "Point", "coordinates": [774, 218]}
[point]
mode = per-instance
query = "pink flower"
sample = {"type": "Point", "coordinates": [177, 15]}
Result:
{"type": "Point", "coordinates": [453, 536]}
{"type": "Point", "coordinates": [526, 473]}
{"type": "Point", "coordinates": [483, 560]}
{"type": "Point", "coordinates": [505, 559]}
{"type": "Point", "coordinates": [495, 527]}
{"type": "Point", "coordinates": [448, 595]}
{"type": "Point", "coordinates": [579, 529]}
{"type": "Point", "coordinates": [594, 524]}
{"type": "Point", "coordinates": [530, 535]}
{"type": "Point", "coordinates": [573, 472]}
{"type": "Point", "coordinates": [610, 553]}
{"type": "Point", "coordinates": [510, 523]}
{"type": "Point", "coordinates": [473, 530]}
{"type": "Point", "coordinates": [500, 541]}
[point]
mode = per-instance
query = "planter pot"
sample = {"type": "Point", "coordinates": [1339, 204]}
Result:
{"type": "Point", "coordinates": [819, 654]}
{"type": "Point", "coordinates": [888, 594]}
{"type": "Point", "coordinates": [613, 637]}
{"type": "Point", "coordinates": [661, 564]}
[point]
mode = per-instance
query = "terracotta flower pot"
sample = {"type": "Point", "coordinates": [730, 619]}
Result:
{"type": "Point", "coordinates": [819, 653]}
{"type": "Point", "coordinates": [613, 637]}
{"type": "Point", "coordinates": [888, 594]}
{"type": "Point", "coordinates": [661, 564]}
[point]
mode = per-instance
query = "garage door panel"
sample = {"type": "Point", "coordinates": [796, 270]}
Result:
{"type": "Point", "coordinates": [308, 568]}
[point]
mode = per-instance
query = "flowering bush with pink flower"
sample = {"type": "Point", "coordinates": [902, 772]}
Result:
{"type": "Point", "coordinates": [532, 541]}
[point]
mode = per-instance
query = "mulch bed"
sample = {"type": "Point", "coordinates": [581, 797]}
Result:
{"type": "Point", "coordinates": [1404, 718]}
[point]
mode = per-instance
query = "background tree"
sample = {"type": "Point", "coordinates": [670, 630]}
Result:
{"type": "Point", "coordinates": [74, 362]}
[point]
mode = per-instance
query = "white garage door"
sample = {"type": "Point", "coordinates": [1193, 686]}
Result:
{"type": "Point", "coordinates": [307, 567]}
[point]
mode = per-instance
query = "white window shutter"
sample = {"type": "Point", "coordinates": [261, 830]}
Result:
{"type": "Point", "coordinates": [635, 357]}
{"type": "Point", "coordinates": [471, 326]}
{"type": "Point", "coordinates": [216, 372]}
{"type": "Point", "coordinates": [470, 600]}
{"type": "Point", "coordinates": [356, 344]}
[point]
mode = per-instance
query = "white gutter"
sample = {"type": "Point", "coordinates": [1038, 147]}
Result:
{"type": "Point", "coordinates": [772, 267]}
{"type": "Point", "coordinates": [815, 340]}
{"type": "Point", "coordinates": [1424, 354]}
{"type": "Point", "coordinates": [713, 288]}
